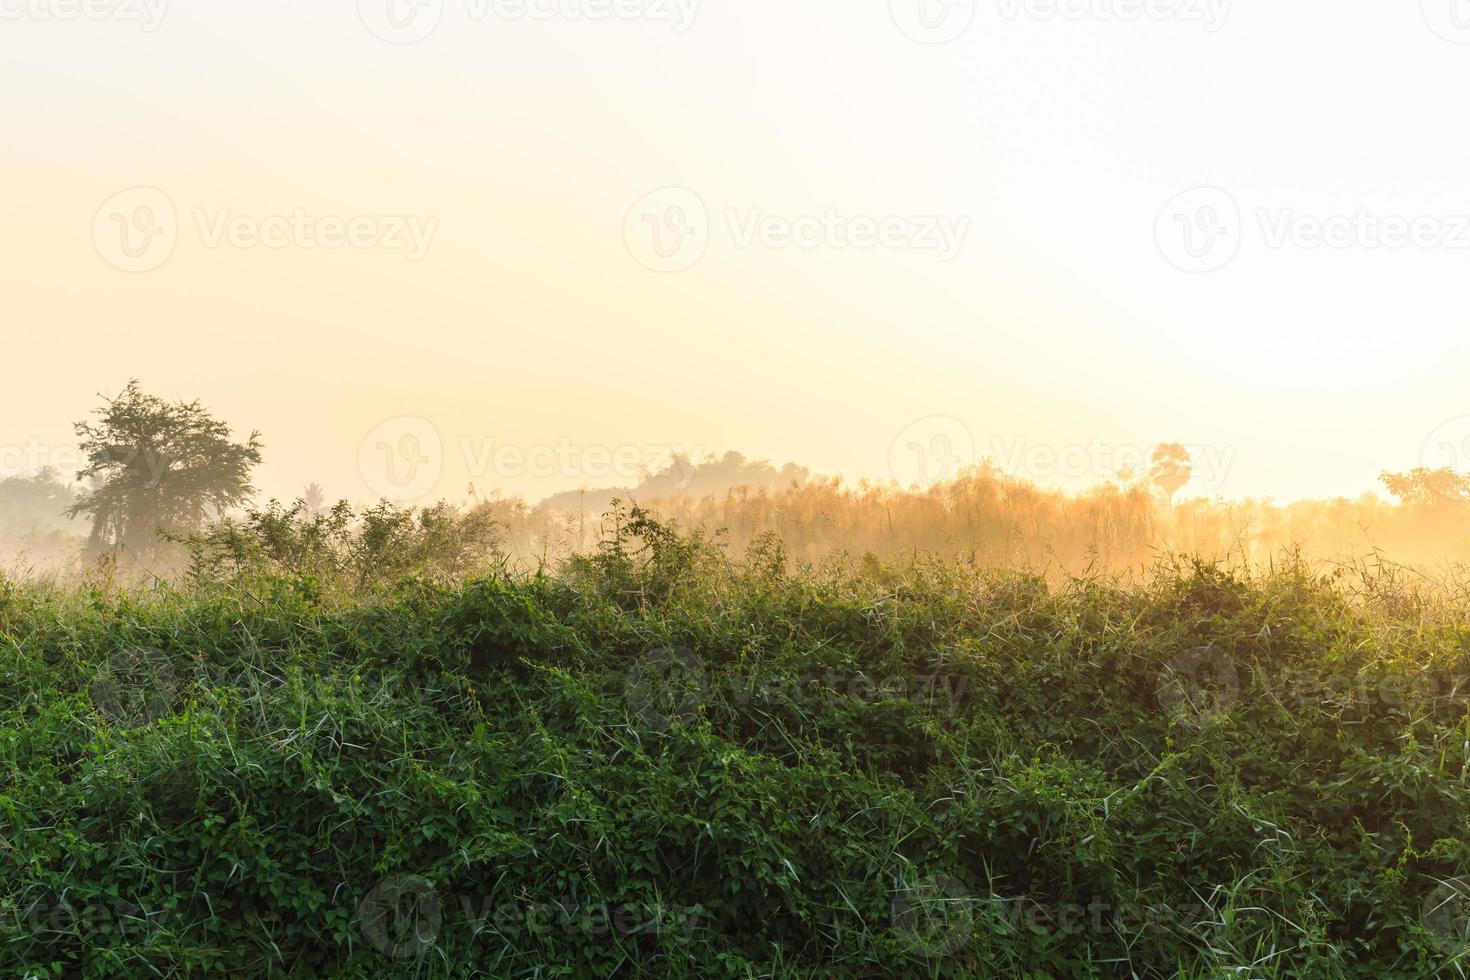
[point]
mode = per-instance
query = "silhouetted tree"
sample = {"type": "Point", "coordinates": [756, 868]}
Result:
{"type": "Point", "coordinates": [684, 476]}
{"type": "Point", "coordinates": [158, 466]}
{"type": "Point", "coordinates": [1170, 468]}
{"type": "Point", "coordinates": [315, 499]}
{"type": "Point", "coordinates": [38, 501]}
{"type": "Point", "coordinates": [1424, 487]}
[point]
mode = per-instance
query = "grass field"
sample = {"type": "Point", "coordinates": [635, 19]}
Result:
{"type": "Point", "coordinates": [660, 761]}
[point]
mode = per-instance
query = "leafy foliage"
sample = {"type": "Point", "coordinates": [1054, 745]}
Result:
{"type": "Point", "coordinates": [1424, 487]}
{"type": "Point", "coordinates": [666, 762]}
{"type": "Point", "coordinates": [158, 466]}
{"type": "Point", "coordinates": [344, 548]}
{"type": "Point", "coordinates": [37, 502]}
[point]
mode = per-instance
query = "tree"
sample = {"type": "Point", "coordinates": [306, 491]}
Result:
{"type": "Point", "coordinates": [36, 502]}
{"type": "Point", "coordinates": [315, 499]}
{"type": "Point", "coordinates": [158, 466]}
{"type": "Point", "coordinates": [1427, 488]}
{"type": "Point", "coordinates": [1170, 468]}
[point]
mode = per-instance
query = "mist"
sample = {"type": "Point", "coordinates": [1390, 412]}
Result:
{"type": "Point", "coordinates": [949, 507]}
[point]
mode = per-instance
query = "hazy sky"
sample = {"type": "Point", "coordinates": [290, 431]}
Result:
{"type": "Point", "coordinates": [537, 243]}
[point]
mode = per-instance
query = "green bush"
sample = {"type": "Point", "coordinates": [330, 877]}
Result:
{"type": "Point", "coordinates": [663, 762]}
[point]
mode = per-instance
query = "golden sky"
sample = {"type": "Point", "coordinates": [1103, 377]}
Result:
{"type": "Point", "coordinates": [538, 243]}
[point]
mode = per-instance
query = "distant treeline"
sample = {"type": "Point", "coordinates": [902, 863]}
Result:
{"type": "Point", "coordinates": [998, 520]}
{"type": "Point", "coordinates": [983, 516]}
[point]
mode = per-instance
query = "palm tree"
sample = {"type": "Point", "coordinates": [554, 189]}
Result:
{"type": "Point", "coordinates": [1171, 468]}
{"type": "Point", "coordinates": [315, 499]}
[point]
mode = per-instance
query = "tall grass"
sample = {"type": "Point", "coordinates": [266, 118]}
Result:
{"type": "Point", "coordinates": [999, 522]}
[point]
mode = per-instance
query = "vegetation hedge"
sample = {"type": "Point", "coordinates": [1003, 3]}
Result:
{"type": "Point", "coordinates": [659, 761]}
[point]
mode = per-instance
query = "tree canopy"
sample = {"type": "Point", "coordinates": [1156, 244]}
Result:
{"type": "Point", "coordinates": [1423, 487]}
{"type": "Point", "coordinates": [155, 465]}
{"type": "Point", "coordinates": [1171, 467]}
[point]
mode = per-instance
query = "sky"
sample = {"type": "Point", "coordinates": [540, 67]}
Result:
{"type": "Point", "coordinates": [541, 244]}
